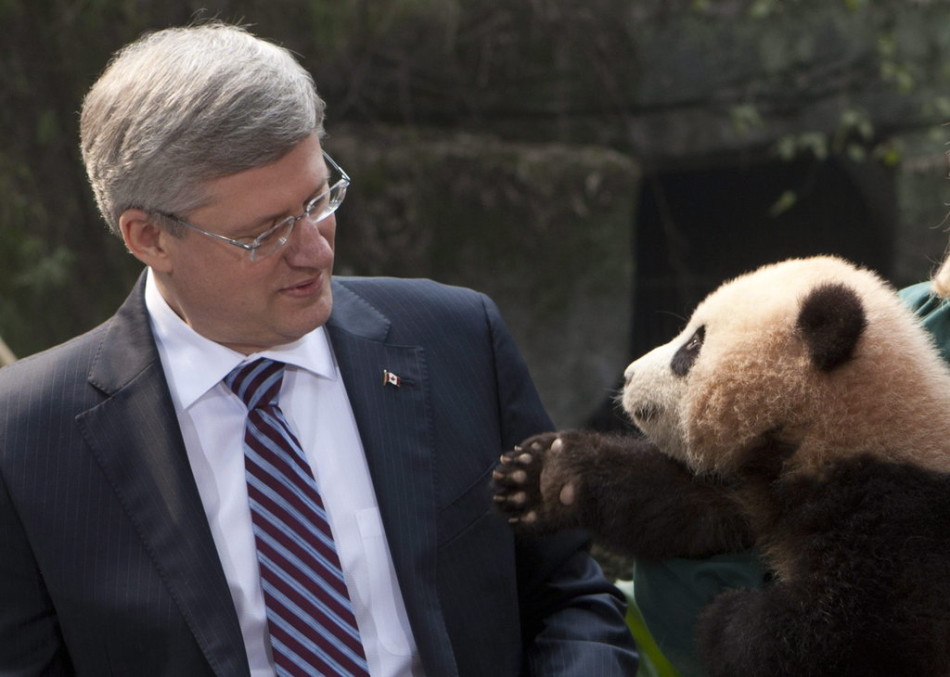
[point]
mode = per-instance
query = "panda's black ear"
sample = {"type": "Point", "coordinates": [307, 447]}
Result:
{"type": "Point", "coordinates": [831, 321]}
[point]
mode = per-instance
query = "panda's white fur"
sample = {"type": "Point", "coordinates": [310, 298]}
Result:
{"type": "Point", "coordinates": [754, 376]}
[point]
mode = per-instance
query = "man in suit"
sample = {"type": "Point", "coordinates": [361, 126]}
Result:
{"type": "Point", "coordinates": [131, 540]}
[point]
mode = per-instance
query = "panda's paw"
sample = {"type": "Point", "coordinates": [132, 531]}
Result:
{"type": "Point", "coordinates": [532, 487]}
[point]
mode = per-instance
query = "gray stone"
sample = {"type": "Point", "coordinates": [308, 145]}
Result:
{"type": "Point", "coordinates": [544, 229]}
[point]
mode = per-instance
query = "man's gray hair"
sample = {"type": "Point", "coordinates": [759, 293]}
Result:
{"type": "Point", "coordinates": [182, 106]}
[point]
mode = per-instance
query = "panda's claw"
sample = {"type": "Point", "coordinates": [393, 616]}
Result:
{"type": "Point", "coordinates": [519, 498]}
{"type": "Point", "coordinates": [518, 482]}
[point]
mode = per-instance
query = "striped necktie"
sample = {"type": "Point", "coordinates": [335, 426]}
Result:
{"type": "Point", "coordinates": [309, 614]}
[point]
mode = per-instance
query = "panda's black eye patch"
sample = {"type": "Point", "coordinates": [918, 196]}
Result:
{"type": "Point", "coordinates": [685, 357]}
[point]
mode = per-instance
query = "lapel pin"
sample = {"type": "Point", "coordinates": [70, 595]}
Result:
{"type": "Point", "coordinates": [390, 379]}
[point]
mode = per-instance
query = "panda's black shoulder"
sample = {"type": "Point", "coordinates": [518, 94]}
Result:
{"type": "Point", "coordinates": [869, 499]}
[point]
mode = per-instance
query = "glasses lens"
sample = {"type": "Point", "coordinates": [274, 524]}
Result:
{"type": "Point", "coordinates": [273, 239]}
{"type": "Point", "coordinates": [326, 204]}
{"type": "Point", "coordinates": [315, 211]}
{"type": "Point", "coordinates": [338, 193]}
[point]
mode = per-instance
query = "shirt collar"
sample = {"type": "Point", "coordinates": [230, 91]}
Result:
{"type": "Point", "coordinates": [194, 364]}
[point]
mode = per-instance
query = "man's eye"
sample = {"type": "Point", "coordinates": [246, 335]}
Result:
{"type": "Point", "coordinates": [276, 230]}
{"type": "Point", "coordinates": [317, 204]}
{"type": "Point", "coordinates": [266, 233]}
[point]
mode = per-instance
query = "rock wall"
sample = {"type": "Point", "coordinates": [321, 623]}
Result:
{"type": "Point", "coordinates": [544, 229]}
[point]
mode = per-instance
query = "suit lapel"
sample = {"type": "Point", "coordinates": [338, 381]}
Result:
{"type": "Point", "coordinates": [135, 438]}
{"type": "Point", "coordinates": [397, 434]}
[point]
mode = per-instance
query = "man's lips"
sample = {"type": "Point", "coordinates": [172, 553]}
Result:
{"type": "Point", "coordinates": [305, 287]}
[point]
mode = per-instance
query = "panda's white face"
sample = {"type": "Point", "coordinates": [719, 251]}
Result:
{"type": "Point", "coordinates": [656, 386]}
{"type": "Point", "coordinates": [737, 372]}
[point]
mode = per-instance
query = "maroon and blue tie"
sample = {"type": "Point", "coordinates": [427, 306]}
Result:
{"type": "Point", "coordinates": [309, 614]}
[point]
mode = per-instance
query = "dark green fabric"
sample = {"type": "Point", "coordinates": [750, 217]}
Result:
{"type": "Point", "coordinates": [670, 594]}
{"type": "Point", "coordinates": [933, 311]}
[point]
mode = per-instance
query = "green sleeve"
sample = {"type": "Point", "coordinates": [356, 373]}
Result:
{"type": "Point", "coordinates": [670, 595]}
{"type": "Point", "coordinates": [933, 311]}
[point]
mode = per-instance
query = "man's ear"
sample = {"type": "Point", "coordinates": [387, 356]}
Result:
{"type": "Point", "coordinates": [145, 239]}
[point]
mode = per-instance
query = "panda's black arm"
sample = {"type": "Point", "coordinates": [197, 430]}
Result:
{"type": "Point", "coordinates": [633, 498]}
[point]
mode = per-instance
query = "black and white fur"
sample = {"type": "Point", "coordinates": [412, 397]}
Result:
{"type": "Point", "coordinates": [804, 411]}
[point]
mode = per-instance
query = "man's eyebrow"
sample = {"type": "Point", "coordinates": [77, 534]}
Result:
{"type": "Point", "coordinates": [321, 188]}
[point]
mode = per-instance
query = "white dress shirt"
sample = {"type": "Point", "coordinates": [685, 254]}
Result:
{"type": "Point", "coordinates": [314, 400]}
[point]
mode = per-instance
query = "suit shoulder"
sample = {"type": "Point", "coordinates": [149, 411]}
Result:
{"type": "Point", "coordinates": [416, 309]}
{"type": "Point", "coordinates": [418, 288]}
{"type": "Point", "coordinates": [414, 295]}
{"type": "Point", "coordinates": [50, 369]}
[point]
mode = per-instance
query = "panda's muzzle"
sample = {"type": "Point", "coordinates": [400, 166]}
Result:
{"type": "Point", "coordinates": [646, 412]}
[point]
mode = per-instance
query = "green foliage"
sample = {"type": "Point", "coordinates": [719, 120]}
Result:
{"type": "Point", "coordinates": [892, 68]}
{"type": "Point", "coordinates": [886, 51]}
{"type": "Point", "coordinates": [762, 9]}
{"type": "Point", "coordinates": [745, 118]}
{"type": "Point", "coordinates": [785, 201]}
{"type": "Point", "coordinates": [42, 273]}
{"type": "Point", "coordinates": [854, 138]}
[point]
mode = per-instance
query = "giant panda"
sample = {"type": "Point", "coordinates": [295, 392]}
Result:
{"type": "Point", "coordinates": [804, 412]}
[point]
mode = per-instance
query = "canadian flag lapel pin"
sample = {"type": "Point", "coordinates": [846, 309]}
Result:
{"type": "Point", "coordinates": [390, 379]}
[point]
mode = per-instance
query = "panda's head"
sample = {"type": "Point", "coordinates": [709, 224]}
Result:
{"type": "Point", "coordinates": [814, 354]}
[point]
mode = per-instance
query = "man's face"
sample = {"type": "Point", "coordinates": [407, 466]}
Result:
{"type": "Point", "coordinates": [244, 305]}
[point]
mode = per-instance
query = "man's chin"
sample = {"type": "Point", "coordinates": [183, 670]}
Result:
{"type": "Point", "coordinates": [311, 318]}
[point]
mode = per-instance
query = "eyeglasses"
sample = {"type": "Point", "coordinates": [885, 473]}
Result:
{"type": "Point", "coordinates": [271, 240]}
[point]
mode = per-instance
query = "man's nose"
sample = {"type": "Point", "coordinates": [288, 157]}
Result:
{"type": "Point", "coordinates": [311, 243]}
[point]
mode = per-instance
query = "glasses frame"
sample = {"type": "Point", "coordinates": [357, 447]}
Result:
{"type": "Point", "coordinates": [289, 223]}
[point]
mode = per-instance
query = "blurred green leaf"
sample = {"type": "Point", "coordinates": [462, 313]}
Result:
{"type": "Point", "coordinates": [45, 272]}
{"type": "Point", "coordinates": [745, 118]}
{"type": "Point", "coordinates": [761, 9]}
{"type": "Point", "coordinates": [785, 201]}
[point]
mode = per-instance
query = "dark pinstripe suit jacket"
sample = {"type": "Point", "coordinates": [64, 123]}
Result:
{"type": "Point", "coordinates": [107, 565]}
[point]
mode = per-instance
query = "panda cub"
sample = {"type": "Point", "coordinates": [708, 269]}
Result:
{"type": "Point", "coordinates": [802, 411]}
